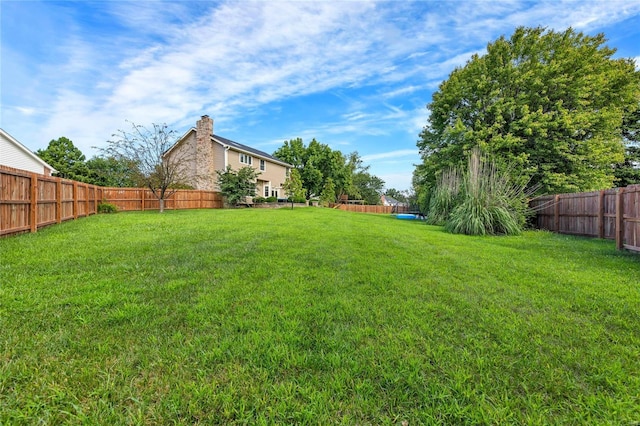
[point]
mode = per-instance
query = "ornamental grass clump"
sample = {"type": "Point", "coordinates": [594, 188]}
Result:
{"type": "Point", "coordinates": [444, 196]}
{"type": "Point", "coordinates": [480, 200]}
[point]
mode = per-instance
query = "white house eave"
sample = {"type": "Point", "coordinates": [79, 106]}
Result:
{"type": "Point", "coordinates": [27, 151]}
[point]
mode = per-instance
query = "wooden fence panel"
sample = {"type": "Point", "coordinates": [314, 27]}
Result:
{"type": "Point", "coordinates": [631, 218]}
{"type": "Point", "coordinates": [15, 201]}
{"type": "Point", "coordinates": [359, 208]}
{"type": "Point", "coordinates": [46, 201]}
{"type": "Point", "coordinates": [29, 201]}
{"type": "Point", "coordinates": [609, 214]}
{"type": "Point", "coordinates": [612, 214]}
{"type": "Point", "coordinates": [67, 200]}
{"type": "Point", "coordinates": [579, 214]}
{"type": "Point", "coordinates": [126, 199]}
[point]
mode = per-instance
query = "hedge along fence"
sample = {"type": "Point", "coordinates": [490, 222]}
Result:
{"type": "Point", "coordinates": [29, 201]}
{"type": "Point", "coordinates": [612, 214]}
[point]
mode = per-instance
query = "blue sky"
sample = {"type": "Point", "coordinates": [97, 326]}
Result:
{"type": "Point", "coordinates": [355, 75]}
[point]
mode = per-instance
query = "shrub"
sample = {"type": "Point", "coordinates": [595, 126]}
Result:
{"type": "Point", "coordinates": [259, 200]}
{"type": "Point", "coordinates": [107, 208]}
{"type": "Point", "coordinates": [300, 200]}
{"type": "Point", "coordinates": [272, 199]}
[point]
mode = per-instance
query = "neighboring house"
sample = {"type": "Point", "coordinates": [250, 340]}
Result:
{"type": "Point", "coordinates": [208, 153]}
{"type": "Point", "coordinates": [15, 155]}
{"type": "Point", "coordinates": [389, 201]}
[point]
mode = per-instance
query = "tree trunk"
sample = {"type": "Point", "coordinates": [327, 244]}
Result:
{"type": "Point", "coordinates": [161, 205]}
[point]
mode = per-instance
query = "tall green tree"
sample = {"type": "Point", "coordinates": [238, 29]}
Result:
{"type": "Point", "coordinates": [316, 163]}
{"type": "Point", "coordinates": [66, 158]}
{"type": "Point", "coordinates": [551, 104]}
{"type": "Point", "coordinates": [112, 172]}
{"type": "Point", "coordinates": [237, 185]}
{"type": "Point", "coordinates": [293, 186]}
{"type": "Point", "coordinates": [328, 194]}
{"type": "Point", "coordinates": [363, 185]}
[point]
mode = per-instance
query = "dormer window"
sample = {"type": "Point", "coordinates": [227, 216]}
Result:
{"type": "Point", "coordinates": [245, 159]}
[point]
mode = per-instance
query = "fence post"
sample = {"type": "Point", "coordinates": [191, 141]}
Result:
{"type": "Point", "coordinates": [58, 200]}
{"type": "Point", "coordinates": [33, 208]}
{"type": "Point", "coordinates": [601, 214]}
{"type": "Point", "coordinates": [75, 199]}
{"type": "Point", "coordinates": [143, 191]}
{"type": "Point", "coordinates": [556, 213]}
{"type": "Point", "coordinates": [86, 201]}
{"type": "Point", "coordinates": [620, 219]}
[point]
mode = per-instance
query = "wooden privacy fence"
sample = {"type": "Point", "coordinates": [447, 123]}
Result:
{"type": "Point", "coordinates": [143, 199]}
{"type": "Point", "coordinates": [368, 209]}
{"type": "Point", "coordinates": [29, 201]}
{"type": "Point", "coordinates": [612, 214]}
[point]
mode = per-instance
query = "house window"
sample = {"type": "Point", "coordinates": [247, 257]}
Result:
{"type": "Point", "coordinates": [245, 158]}
{"type": "Point", "coordinates": [274, 193]}
{"type": "Point", "coordinates": [263, 165]}
{"type": "Point", "coordinates": [266, 190]}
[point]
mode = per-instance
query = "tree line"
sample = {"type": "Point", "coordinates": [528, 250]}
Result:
{"type": "Point", "coordinates": [135, 158]}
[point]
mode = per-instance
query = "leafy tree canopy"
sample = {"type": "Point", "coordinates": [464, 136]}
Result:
{"type": "Point", "coordinates": [549, 103]}
{"type": "Point", "coordinates": [112, 172]}
{"type": "Point", "coordinates": [66, 158]}
{"type": "Point", "coordinates": [365, 186]}
{"type": "Point", "coordinates": [316, 163]}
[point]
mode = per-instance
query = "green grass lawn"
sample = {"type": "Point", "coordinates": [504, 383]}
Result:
{"type": "Point", "coordinates": [313, 316]}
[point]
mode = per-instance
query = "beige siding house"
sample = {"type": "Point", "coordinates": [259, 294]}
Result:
{"type": "Point", "coordinates": [15, 155]}
{"type": "Point", "coordinates": [207, 152]}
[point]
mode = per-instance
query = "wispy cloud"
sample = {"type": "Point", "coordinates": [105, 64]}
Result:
{"type": "Point", "coordinates": [391, 155]}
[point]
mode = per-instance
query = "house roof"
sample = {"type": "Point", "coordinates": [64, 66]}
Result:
{"type": "Point", "coordinates": [26, 151]}
{"type": "Point", "coordinates": [393, 201]}
{"type": "Point", "coordinates": [231, 144]}
{"type": "Point", "coordinates": [248, 149]}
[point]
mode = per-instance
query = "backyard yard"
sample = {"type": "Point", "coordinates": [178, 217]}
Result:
{"type": "Point", "coordinates": [313, 316]}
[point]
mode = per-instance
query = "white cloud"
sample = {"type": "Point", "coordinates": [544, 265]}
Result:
{"type": "Point", "coordinates": [402, 153]}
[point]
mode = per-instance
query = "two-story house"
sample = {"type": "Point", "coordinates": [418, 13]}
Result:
{"type": "Point", "coordinates": [208, 153]}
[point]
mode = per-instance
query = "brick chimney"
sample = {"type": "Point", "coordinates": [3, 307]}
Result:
{"type": "Point", "coordinates": [205, 168]}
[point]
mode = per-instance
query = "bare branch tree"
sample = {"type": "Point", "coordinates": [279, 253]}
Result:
{"type": "Point", "coordinates": [147, 148]}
